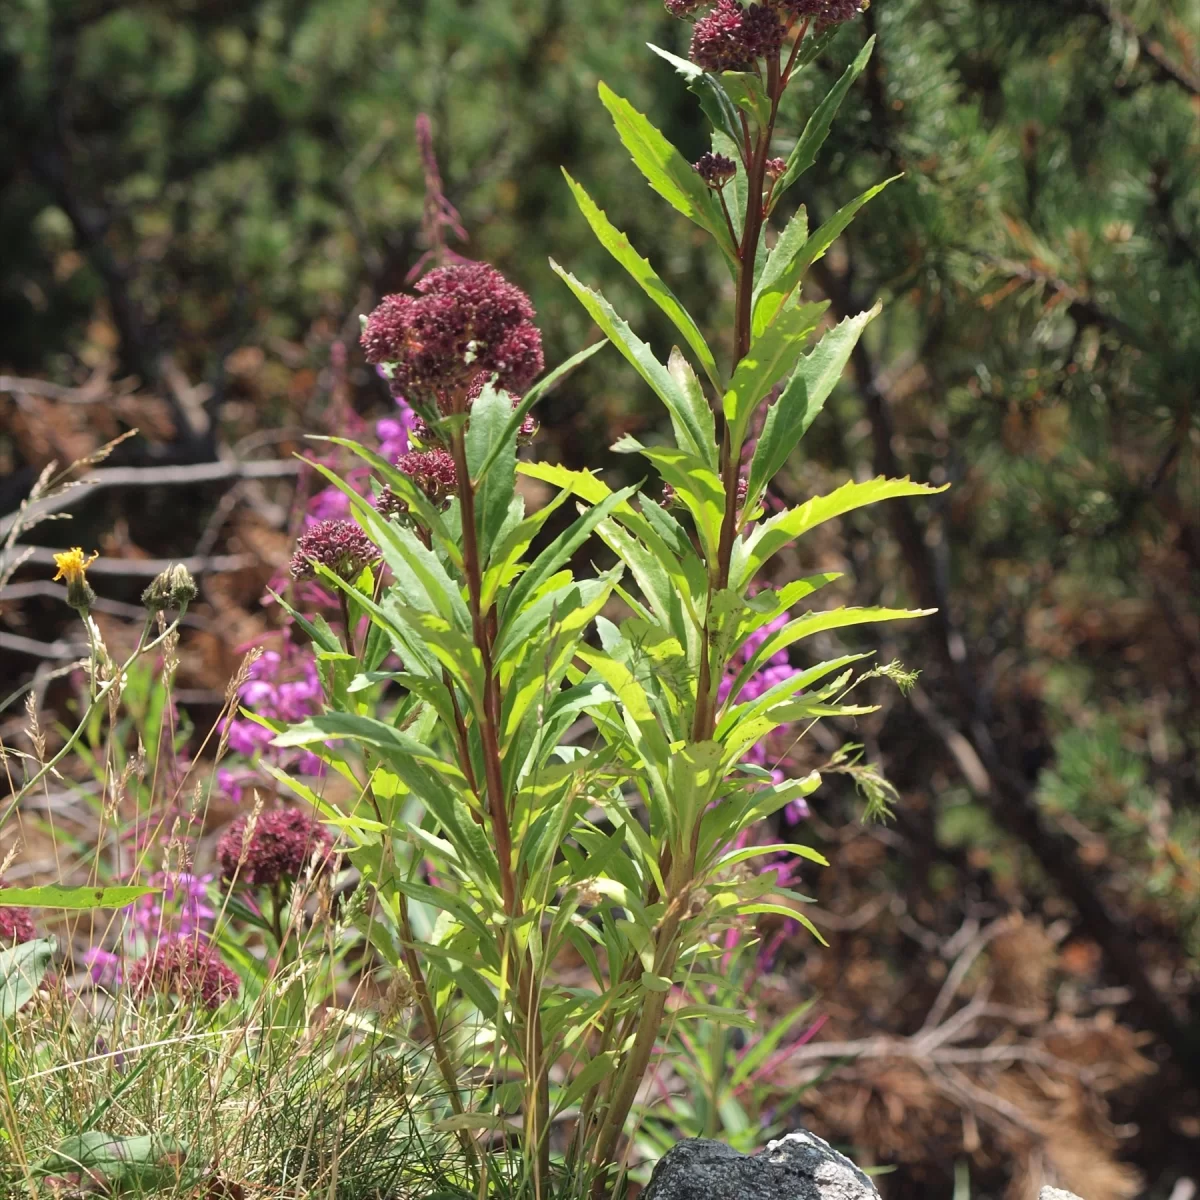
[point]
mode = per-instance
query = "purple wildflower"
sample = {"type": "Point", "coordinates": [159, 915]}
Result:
{"type": "Point", "coordinates": [16, 926]}
{"type": "Point", "coordinates": [715, 169]}
{"type": "Point", "coordinates": [287, 691]}
{"type": "Point", "coordinates": [180, 909]}
{"type": "Point", "coordinates": [466, 323]}
{"type": "Point", "coordinates": [187, 968]}
{"type": "Point", "coordinates": [341, 546]}
{"type": "Point", "coordinates": [733, 38]}
{"type": "Point", "coordinates": [282, 844]}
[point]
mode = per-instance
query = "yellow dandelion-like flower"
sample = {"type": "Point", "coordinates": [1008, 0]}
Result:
{"type": "Point", "coordinates": [72, 566]}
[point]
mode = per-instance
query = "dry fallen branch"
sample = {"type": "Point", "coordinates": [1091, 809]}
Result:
{"type": "Point", "coordinates": [181, 476]}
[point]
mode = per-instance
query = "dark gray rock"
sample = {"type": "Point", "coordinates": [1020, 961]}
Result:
{"type": "Point", "coordinates": [800, 1166]}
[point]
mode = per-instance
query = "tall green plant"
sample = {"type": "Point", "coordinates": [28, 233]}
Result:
{"type": "Point", "coordinates": [494, 835]}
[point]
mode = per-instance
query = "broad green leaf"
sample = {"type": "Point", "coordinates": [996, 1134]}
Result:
{"type": "Point", "coordinates": [768, 300]}
{"type": "Point", "coordinates": [745, 89]}
{"type": "Point", "coordinates": [714, 1013]}
{"type": "Point", "coordinates": [490, 439]}
{"type": "Point", "coordinates": [804, 154]}
{"type": "Point", "coordinates": [771, 535]}
{"type": "Point", "coordinates": [789, 418]}
{"type": "Point", "coordinates": [789, 243]}
{"type": "Point", "coordinates": [772, 354]}
{"type": "Point", "coordinates": [689, 430]}
{"type": "Point", "coordinates": [560, 550]}
{"type": "Point", "coordinates": [714, 100]}
{"type": "Point", "coordinates": [666, 170]}
{"type": "Point", "coordinates": [619, 246]}
{"type": "Point", "coordinates": [143, 1165]}
{"type": "Point", "coordinates": [54, 896]}
{"type": "Point", "coordinates": [22, 969]}
{"type": "Point", "coordinates": [696, 483]}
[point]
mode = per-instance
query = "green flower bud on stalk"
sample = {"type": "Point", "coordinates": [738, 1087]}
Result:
{"type": "Point", "coordinates": [172, 588]}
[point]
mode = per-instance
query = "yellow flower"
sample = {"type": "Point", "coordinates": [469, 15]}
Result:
{"type": "Point", "coordinates": [71, 564]}
{"type": "Point", "coordinates": [72, 567]}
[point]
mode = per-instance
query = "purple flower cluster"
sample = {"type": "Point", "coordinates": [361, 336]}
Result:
{"type": "Point", "coordinates": [16, 926]}
{"type": "Point", "coordinates": [284, 689]}
{"type": "Point", "coordinates": [466, 323]}
{"type": "Point", "coordinates": [282, 844]}
{"type": "Point", "coordinates": [733, 38]}
{"type": "Point", "coordinates": [432, 471]}
{"type": "Point", "coordinates": [715, 169]}
{"type": "Point", "coordinates": [339, 546]}
{"type": "Point", "coordinates": [187, 968]}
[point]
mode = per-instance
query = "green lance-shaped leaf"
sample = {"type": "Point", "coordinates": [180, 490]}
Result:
{"type": "Point", "coordinates": [666, 170]}
{"type": "Point", "coordinates": [804, 154]}
{"type": "Point", "coordinates": [789, 418]}
{"type": "Point", "coordinates": [770, 536]}
{"type": "Point", "coordinates": [54, 896]}
{"type": "Point", "coordinates": [745, 89]}
{"type": "Point", "coordinates": [714, 100]}
{"type": "Point", "coordinates": [790, 242]}
{"type": "Point", "coordinates": [771, 356]}
{"type": "Point", "coordinates": [491, 440]}
{"type": "Point", "coordinates": [696, 482]}
{"type": "Point", "coordinates": [692, 432]}
{"type": "Point", "coordinates": [619, 246]}
{"type": "Point", "coordinates": [770, 297]}
{"type": "Point", "coordinates": [543, 386]}
{"type": "Point", "coordinates": [22, 969]}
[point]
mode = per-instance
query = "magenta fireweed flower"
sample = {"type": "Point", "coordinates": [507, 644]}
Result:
{"type": "Point", "coordinates": [179, 910]}
{"type": "Point", "coordinates": [774, 671]}
{"type": "Point", "coordinates": [287, 690]}
{"type": "Point", "coordinates": [341, 546]}
{"type": "Point", "coordinates": [103, 966]}
{"type": "Point", "coordinates": [715, 169]}
{"type": "Point", "coordinates": [466, 322]}
{"type": "Point", "coordinates": [282, 844]}
{"type": "Point", "coordinates": [733, 38]}
{"type": "Point", "coordinates": [187, 968]}
{"type": "Point", "coordinates": [16, 926]}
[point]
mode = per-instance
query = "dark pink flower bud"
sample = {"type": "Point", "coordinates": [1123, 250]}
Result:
{"type": "Point", "coordinates": [715, 169]}
{"type": "Point", "coordinates": [775, 167]}
{"type": "Point", "coordinates": [681, 8]}
{"type": "Point", "coordinates": [432, 471]}
{"type": "Point", "coordinates": [733, 38]}
{"type": "Point", "coordinates": [339, 545]}
{"type": "Point", "coordinates": [282, 844]}
{"type": "Point", "coordinates": [187, 968]}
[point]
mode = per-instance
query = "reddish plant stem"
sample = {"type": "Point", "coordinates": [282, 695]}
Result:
{"type": "Point", "coordinates": [679, 873]}
{"type": "Point", "coordinates": [537, 1115]}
